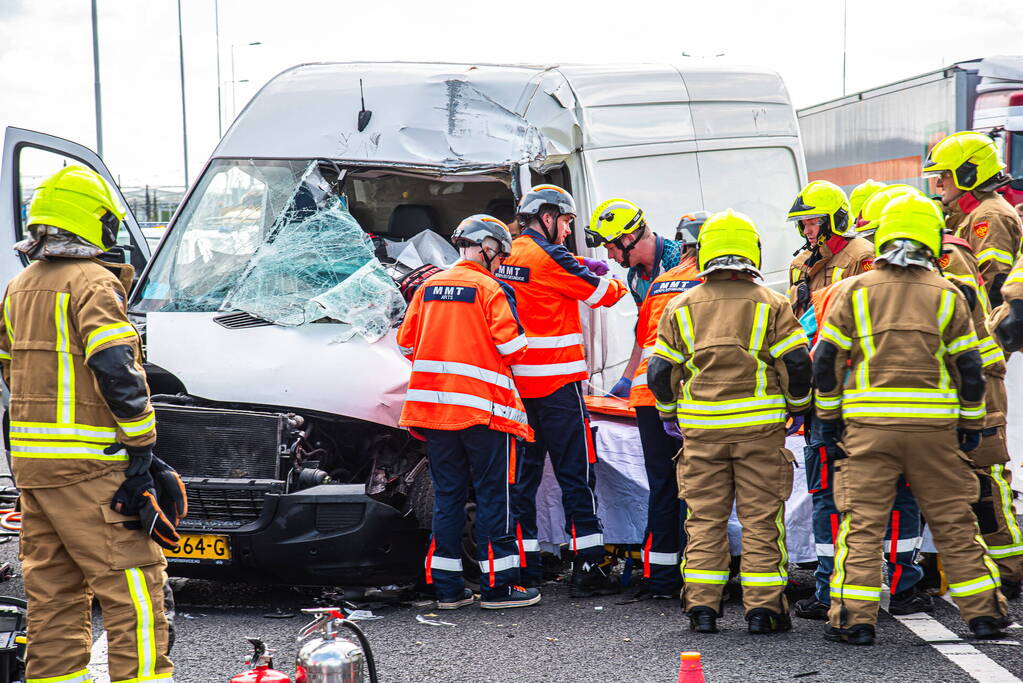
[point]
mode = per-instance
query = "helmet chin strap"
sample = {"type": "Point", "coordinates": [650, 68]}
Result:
{"type": "Point", "coordinates": [626, 250]}
{"type": "Point", "coordinates": [550, 238]}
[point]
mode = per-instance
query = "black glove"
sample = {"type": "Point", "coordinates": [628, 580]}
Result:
{"type": "Point", "coordinates": [139, 458]}
{"type": "Point", "coordinates": [969, 439]}
{"type": "Point", "coordinates": [158, 498]}
{"type": "Point", "coordinates": [130, 496]}
{"type": "Point", "coordinates": [803, 298]}
{"type": "Point", "coordinates": [170, 491]}
{"type": "Point", "coordinates": [1010, 330]}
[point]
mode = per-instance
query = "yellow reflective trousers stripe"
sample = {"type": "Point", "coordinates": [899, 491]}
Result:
{"type": "Point", "coordinates": [65, 361]}
{"type": "Point", "coordinates": [145, 632]}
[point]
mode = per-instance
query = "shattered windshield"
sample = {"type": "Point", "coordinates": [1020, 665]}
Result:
{"type": "Point", "coordinates": [281, 241]}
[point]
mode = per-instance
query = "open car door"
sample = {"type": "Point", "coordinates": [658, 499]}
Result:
{"type": "Point", "coordinates": [31, 157]}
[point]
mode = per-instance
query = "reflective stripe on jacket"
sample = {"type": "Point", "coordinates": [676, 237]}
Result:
{"type": "Point", "coordinates": [58, 314]}
{"type": "Point", "coordinates": [462, 335]}
{"type": "Point", "coordinates": [902, 330]}
{"type": "Point", "coordinates": [725, 340]}
{"type": "Point", "coordinates": [549, 283]}
{"type": "Point", "coordinates": [663, 289]}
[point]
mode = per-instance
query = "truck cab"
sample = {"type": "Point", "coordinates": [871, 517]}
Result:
{"type": "Point", "coordinates": [268, 310]}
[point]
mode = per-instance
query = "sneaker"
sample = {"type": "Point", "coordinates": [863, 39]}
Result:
{"type": "Point", "coordinates": [811, 608]}
{"type": "Point", "coordinates": [860, 634]}
{"type": "Point", "coordinates": [593, 579]}
{"type": "Point", "coordinates": [510, 596]}
{"type": "Point", "coordinates": [910, 601]}
{"type": "Point", "coordinates": [762, 620]}
{"type": "Point", "coordinates": [988, 627]}
{"type": "Point", "coordinates": [467, 598]}
{"type": "Point", "coordinates": [703, 620]}
{"type": "Point", "coordinates": [1011, 589]}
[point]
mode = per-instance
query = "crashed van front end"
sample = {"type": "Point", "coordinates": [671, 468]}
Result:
{"type": "Point", "coordinates": [268, 315]}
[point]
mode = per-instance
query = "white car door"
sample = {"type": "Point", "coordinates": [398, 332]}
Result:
{"type": "Point", "coordinates": [29, 157]}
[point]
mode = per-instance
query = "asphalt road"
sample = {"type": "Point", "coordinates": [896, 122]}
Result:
{"type": "Point", "coordinates": [561, 639]}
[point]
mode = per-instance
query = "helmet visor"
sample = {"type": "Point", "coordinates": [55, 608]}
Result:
{"type": "Point", "coordinates": [804, 216]}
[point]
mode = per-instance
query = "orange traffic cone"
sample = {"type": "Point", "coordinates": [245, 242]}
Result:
{"type": "Point", "coordinates": [691, 670]}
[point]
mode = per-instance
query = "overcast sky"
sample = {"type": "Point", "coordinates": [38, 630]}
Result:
{"type": "Point", "coordinates": [46, 75]}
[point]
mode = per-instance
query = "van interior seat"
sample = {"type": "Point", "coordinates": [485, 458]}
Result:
{"type": "Point", "coordinates": [408, 220]}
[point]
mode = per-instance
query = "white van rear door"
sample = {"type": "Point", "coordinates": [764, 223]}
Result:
{"type": "Point", "coordinates": [29, 157]}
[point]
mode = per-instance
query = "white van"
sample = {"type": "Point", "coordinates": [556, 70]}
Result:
{"type": "Point", "coordinates": [273, 400]}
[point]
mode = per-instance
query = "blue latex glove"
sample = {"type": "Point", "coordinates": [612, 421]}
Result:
{"type": "Point", "coordinates": [809, 322]}
{"type": "Point", "coordinates": [671, 429]}
{"type": "Point", "coordinates": [621, 388]}
{"type": "Point", "coordinates": [797, 422]}
{"type": "Point", "coordinates": [596, 266]}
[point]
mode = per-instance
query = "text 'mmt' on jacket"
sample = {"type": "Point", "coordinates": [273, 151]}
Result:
{"type": "Point", "coordinates": [549, 283]}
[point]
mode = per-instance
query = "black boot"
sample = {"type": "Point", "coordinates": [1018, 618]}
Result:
{"type": "Point", "coordinates": [762, 620]}
{"type": "Point", "coordinates": [811, 608]}
{"type": "Point", "coordinates": [988, 627]}
{"type": "Point", "coordinates": [593, 579]}
{"type": "Point", "coordinates": [861, 634]}
{"type": "Point", "coordinates": [1011, 589]}
{"type": "Point", "coordinates": [703, 620]}
{"type": "Point", "coordinates": [911, 601]}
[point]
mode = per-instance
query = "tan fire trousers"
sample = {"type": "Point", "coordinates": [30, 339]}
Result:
{"type": "Point", "coordinates": [757, 477]}
{"type": "Point", "coordinates": [74, 547]}
{"type": "Point", "coordinates": [1005, 545]}
{"type": "Point", "coordinates": [944, 485]}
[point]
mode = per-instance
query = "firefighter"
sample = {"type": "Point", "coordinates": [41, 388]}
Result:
{"type": "Point", "coordinates": [897, 362]}
{"type": "Point", "coordinates": [730, 361]}
{"type": "Point", "coordinates": [821, 211]}
{"type": "Point", "coordinates": [461, 333]}
{"type": "Point", "coordinates": [81, 432]}
{"type": "Point", "coordinates": [665, 512]}
{"type": "Point", "coordinates": [998, 521]}
{"type": "Point", "coordinates": [969, 171]}
{"type": "Point", "coordinates": [1007, 320]}
{"type": "Point", "coordinates": [549, 283]}
{"type": "Point", "coordinates": [859, 196]}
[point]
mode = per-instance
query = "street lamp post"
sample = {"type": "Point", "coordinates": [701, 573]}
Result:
{"type": "Point", "coordinates": [95, 70]}
{"type": "Point", "coordinates": [184, 116]}
{"type": "Point", "coordinates": [216, 24]}
{"type": "Point", "coordinates": [234, 101]}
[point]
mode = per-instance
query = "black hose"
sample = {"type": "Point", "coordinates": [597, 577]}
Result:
{"type": "Point", "coordinates": [364, 642]}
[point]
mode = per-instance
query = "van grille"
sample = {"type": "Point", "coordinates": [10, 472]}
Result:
{"type": "Point", "coordinates": [226, 503]}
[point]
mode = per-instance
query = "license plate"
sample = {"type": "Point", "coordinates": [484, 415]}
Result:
{"type": "Point", "coordinates": [201, 548]}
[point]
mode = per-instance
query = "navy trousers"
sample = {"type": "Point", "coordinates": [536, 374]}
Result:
{"type": "Point", "coordinates": [562, 427]}
{"type": "Point", "coordinates": [665, 535]}
{"type": "Point", "coordinates": [477, 457]}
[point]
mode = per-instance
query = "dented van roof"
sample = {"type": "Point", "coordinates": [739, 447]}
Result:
{"type": "Point", "coordinates": [469, 117]}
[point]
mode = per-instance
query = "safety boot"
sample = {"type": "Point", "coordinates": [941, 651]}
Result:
{"type": "Point", "coordinates": [703, 620]}
{"type": "Point", "coordinates": [860, 634]}
{"type": "Point", "coordinates": [910, 601]}
{"type": "Point", "coordinates": [761, 620]}
{"type": "Point", "coordinates": [593, 579]}
{"type": "Point", "coordinates": [811, 608]}
{"type": "Point", "coordinates": [1011, 589]}
{"type": "Point", "coordinates": [988, 627]}
{"type": "Point", "coordinates": [455, 602]}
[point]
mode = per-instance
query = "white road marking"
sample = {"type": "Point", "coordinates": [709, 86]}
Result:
{"type": "Point", "coordinates": [959, 652]}
{"type": "Point", "coordinates": [98, 663]}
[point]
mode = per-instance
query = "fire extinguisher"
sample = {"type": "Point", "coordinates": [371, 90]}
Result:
{"type": "Point", "coordinates": [262, 667]}
{"type": "Point", "coordinates": [326, 656]}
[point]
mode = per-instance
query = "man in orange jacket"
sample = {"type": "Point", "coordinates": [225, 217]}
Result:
{"type": "Point", "coordinates": [462, 334]}
{"type": "Point", "coordinates": [549, 283]}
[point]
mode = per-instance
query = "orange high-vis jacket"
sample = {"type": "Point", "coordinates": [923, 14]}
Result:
{"type": "Point", "coordinates": [549, 282]}
{"type": "Point", "coordinates": [665, 288]}
{"type": "Point", "coordinates": [462, 334]}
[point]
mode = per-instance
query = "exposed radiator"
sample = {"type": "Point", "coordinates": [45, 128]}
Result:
{"type": "Point", "coordinates": [219, 443]}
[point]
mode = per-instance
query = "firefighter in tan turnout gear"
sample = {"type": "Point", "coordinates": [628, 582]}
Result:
{"type": "Point", "coordinates": [914, 380]}
{"type": "Point", "coordinates": [730, 362]}
{"type": "Point", "coordinates": [81, 432]}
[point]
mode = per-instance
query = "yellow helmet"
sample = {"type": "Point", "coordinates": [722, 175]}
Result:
{"type": "Point", "coordinates": [911, 216]}
{"type": "Point", "coordinates": [860, 194]}
{"type": "Point", "coordinates": [971, 158]}
{"type": "Point", "coordinates": [871, 212]}
{"type": "Point", "coordinates": [728, 233]}
{"type": "Point", "coordinates": [79, 200]}
{"type": "Point", "coordinates": [821, 199]}
{"type": "Point", "coordinates": [612, 220]}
